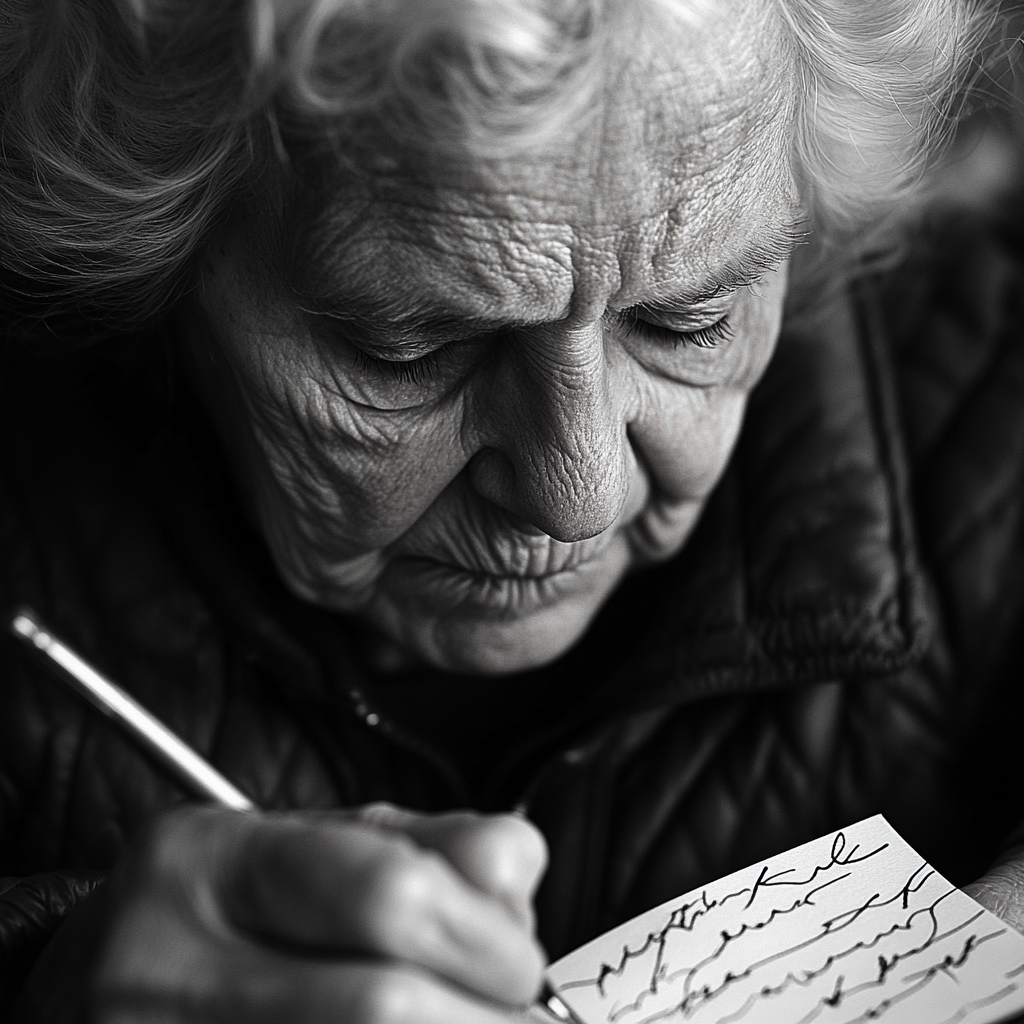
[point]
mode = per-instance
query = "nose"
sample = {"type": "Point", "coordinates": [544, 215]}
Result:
{"type": "Point", "coordinates": [553, 447]}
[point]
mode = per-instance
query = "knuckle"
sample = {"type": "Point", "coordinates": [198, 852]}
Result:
{"type": "Point", "coordinates": [158, 841]}
{"type": "Point", "coordinates": [403, 879]}
{"type": "Point", "coordinates": [401, 893]}
{"type": "Point", "coordinates": [510, 853]}
{"type": "Point", "coordinates": [530, 841]}
{"type": "Point", "coordinates": [173, 839]}
{"type": "Point", "coordinates": [390, 997]}
{"type": "Point", "coordinates": [381, 813]}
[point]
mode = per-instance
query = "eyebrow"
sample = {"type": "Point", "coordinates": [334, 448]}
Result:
{"type": "Point", "coordinates": [380, 318]}
{"type": "Point", "coordinates": [740, 272]}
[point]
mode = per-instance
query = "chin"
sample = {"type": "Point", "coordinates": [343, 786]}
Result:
{"type": "Point", "coordinates": [494, 649]}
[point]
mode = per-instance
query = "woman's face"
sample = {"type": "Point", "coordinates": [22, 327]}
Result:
{"type": "Point", "coordinates": [476, 394]}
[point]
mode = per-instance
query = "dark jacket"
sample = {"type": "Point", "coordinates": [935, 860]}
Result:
{"type": "Point", "coordinates": [840, 636]}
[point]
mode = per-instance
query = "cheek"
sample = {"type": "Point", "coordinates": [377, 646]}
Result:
{"type": "Point", "coordinates": [758, 319]}
{"type": "Point", "coordinates": [685, 436]}
{"type": "Point", "coordinates": [335, 476]}
{"type": "Point", "coordinates": [359, 475]}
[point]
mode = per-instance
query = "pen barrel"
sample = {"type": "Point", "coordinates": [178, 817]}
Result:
{"type": "Point", "coordinates": [188, 766]}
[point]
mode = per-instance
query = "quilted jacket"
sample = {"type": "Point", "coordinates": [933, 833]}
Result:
{"type": "Point", "coordinates": [841, 635]}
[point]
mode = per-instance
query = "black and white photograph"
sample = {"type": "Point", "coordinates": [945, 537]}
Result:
{"type": "Point", "coordinates": [511, 511]}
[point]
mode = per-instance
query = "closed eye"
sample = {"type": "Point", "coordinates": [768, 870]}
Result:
{"type": "Point", "coordinates": [708, 337]}
{"type": "Point", "coordinates": [421, 370]}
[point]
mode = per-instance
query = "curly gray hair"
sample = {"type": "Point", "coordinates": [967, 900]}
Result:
{"type": "Point", "coordinates": [130, 126]}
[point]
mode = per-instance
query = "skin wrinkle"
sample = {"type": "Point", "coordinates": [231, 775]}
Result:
{"type": "Point", "coordinates": [390, 491]}
{"type": "Point", "coordinates": [769, 251]}
{"type": "Point", "coordinates": [494, 548]}
{"type": "Point", "coordinates": [480, 507]}
{"type": "Point", "coordinates": [292, 463]}
{"type": "Point", "coordinates": [754, 125]}
{"type": "Point", "coordinates": [552, 294]}
{"type": "Point", "coordinates": [565, 453]}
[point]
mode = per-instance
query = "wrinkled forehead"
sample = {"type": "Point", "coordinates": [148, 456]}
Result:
{"type": "Point", "coordinates": [678, 183]}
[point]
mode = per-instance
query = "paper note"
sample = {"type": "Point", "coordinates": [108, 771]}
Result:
{"type": "Point", "coordinates": [852, 927]}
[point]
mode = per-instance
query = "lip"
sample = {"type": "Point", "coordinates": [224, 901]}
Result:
{"type": "Point", "coordinates": [441, 584]}
{"type": "Point", "coordinates": [515, 557]}
{"type": "Point", "coordinates": [542, 557]}
{"type": "Point", "coordinates": [466, 555]}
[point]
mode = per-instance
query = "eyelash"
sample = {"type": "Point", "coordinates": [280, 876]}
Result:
{"type": "Point", "coordinates": [703, 337]}
{"type": "Point", "coordinates": [406, 371]}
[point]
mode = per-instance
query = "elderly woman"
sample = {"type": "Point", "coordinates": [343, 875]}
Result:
{"type": "Point", "coordinates": [400, 474]}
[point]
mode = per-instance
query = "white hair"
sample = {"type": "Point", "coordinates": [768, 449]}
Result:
{"type": "Point", "coordinates": [129, 126]}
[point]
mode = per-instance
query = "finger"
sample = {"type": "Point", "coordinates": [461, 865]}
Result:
{"type": "Point", "coordinates": [260, 985]}
{"type": "Point", "coordinates": [346, 885]}
{"type": "Point", "coordinates": [502, 854]}
{"type": "Point", "coordinates": [378, 994]}
{"type": "Point", "coordinates": [1001, 890]}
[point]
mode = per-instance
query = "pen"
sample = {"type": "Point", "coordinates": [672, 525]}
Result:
{"type": "Point", "coordinates": [194, 771]}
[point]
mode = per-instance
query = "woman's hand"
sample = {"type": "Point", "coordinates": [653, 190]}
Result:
{"type": "Point", "coordinates": [365, 917]}
{"type": "Point", "coordinates": [1001, 889]}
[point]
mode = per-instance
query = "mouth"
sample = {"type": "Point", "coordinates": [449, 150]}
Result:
{"type": "Point", "coordinates": [469, 557]}
{"type": "Point", "coordinates": [536, 557]}
{"type": "Point", "coordinates": [502, 550]}
{"type": "Point", "coordinates": [499, 595]}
